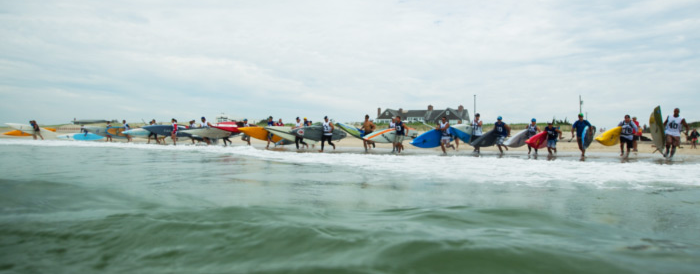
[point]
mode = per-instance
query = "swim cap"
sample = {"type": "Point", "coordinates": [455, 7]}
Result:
{"type": "Point", "coordinates": [325, 117]}
{"type": "Point", "coordinates": [533, 119]}
{"type": "Point", "coordinates": [203, 117]}
{"type": "Point", "coordinates": [477, 115]}
{"type": "Point", "coordinates": [305, 118]}
{"type": "Point", "coordinates": [500, 118]}
{"type": "Point", "coordinates": [549, 123]}
{"type": "Point", "coordinates": [580, 114]}
{"type": "Point", "coordinates": [245, 119]}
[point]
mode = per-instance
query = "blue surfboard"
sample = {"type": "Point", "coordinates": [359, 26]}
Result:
{"type": "Point", "coordinates": [465, 137]}
{"type": "Point", "coordinates": [587, 134]}
{"type": "Point", "coordinates": [429, 139]}
{"type": "Point", "coordinates": [80, 137]}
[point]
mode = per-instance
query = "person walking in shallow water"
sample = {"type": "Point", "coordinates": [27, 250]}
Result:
{"type": "Point", "coordinates": [673, 131]}
{"type": "Point", "coordinates": [476, 129]}
{"type": "Point", "coordinates": [36, 130]}
{"type": "Point", "coordinates": [173, 134]}
{"type": "Point", "coordinates": [108, 137]}
{"type": "Point", "coordinates": [627, 135]}
{"type": "Point", "coordinates": [532, 130]}
{"type": "Point", "coordinates": [327, 133]}
{"type": "Point", "coordinates": [552, 134]}
{"type": "Point", "coordinates": [578, 126]}
{"type": "Point", "coordinates": [694, 138]}
{"type": "Point", "coordinates": [503, 131]}
{"type": "Point", "coordinates": [444, 128]}
{"type": "Point", "coordinates": [126, 127]}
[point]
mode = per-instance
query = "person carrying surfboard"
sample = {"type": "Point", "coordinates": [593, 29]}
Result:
{"type": "Point", "coordinates": [552, 134]}
{"type": "Point", "coordinates": [694, 138]}
{"type": "Point", "coordinates": [245, 137]}
{"type": "Point", "coordinates": [673, 131]}
{"type": "Point", "coordinates": [270, 123]}
{"type": "Point", "coordinates": [327, 133]}
{"type": "Point", "coordinates": [503, 131]}
{"type": "Point", "coordinates": [627, 135]}
{"type": "Point", "coordinates": [444, 128]}
{"type": "Point", "coordinates": [532, 130]}
{"type": "Point", "coordinates": [400, 134]}
{"type": "Point", "coordinates": [637, 134]}
{"type": "Point", "coordinates": [37, 129]}
{"type": "Point", "coordinates": [173, 134]}
{"type": "Point", "coordinates": [298, 139]}
{"type": "Point", "coordinates": [155, 136]}
{"type": "Point", "coordinates": [392, 124]}
{"type": "Point", "coordinates": [367, 128]}
{"type": "Point", "coordinates": [108, 137]}
{"type": "Point", "coordinates": [476, 127]}
{"type": "Point", "coordinates": [126, 127]}
{"type": "Point", "coordinates": [205, 124]}
{"type": "Point", "coordinates": [578, 126]}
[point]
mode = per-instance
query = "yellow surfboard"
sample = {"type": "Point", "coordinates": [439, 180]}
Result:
{"type": "Point", "coordinates": [19, 133]}
{"type": "Point", "coordinates": [259, 133]}
{"type": "Point", "coordinates": [610, 137]}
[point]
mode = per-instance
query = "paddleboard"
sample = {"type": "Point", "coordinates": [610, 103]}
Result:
{"type": "Point", "coordinates": [538, 141]}
{"type": "Point", "coordinates": [166, 130]}
{"type": "Point", "coordinates": [102, 131]}
{"type": "Point", "coordinates": [315, 132]}
{"type": "Point", "coordinates": [517, 140]}
{"type": "Point", "coordinates": [588, 133]}
{"type": "Point", "coordinates": [656, 127]}
{"type": "Point", "coordinates": [610, 137]}
{"type": "Point", "coordinates": [261, 134]}
{"type": "Point", "coordinates": [429, 139]}
{"type": "Point", "coordinates": [286, 134]}
{"type": "Point", "coordinates": [207, 132]}
{"type": "Point", "coordinates": [228, 126]}
{"type": "Point", "coordinates": [26, 128]}
{"type": "Point", "coordinates": [137, 132]}
{"type": "Point", "coordinates": [386, 135]}
{"type": "Point", "coordinates": [20, 133]}
{"type": "Point", "coordinates": [462, 131]}
{"type": "Point", "coordinates": [115, 131]}
{"type": "Point", "coordinates": [486, 140]}
{"type": "Point", "coordinates": [353, 131]}
{"type": "Point", "coordinates": [80, 136]}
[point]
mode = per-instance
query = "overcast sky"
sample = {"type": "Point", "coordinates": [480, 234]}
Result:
{"type": "Point", "coordinates": [130, 60]}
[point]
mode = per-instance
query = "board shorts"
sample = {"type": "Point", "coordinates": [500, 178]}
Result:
{"type": "Point", "coordinates": [552, 143]}
{"type": "Point", "coordinates": [500, 139]}
{"type": "Point", "coordinates": [399, 138]}
{"type": "Point", "coordinates": [673, 140]}
{"type": "Point", "coordinates": [445, 139]}
{"type": "Point", "coordinates": [629, 142]}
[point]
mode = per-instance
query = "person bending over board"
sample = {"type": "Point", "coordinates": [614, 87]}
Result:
{"type": "Point", "coordinates": [299, 139]}
{"type": "Point", "coordinates": [108, 137]}
{"type": "Point", "coordinates": [327, 133]}
{"type": "Point", "coordinates": [368, 127]}
{"type": "Point", "coordinates": [245, 137]}
{"type": "Point", "coordinates": [579, 126]}
{"type": "Point", "coordinates": [476, 130]}
{"type": "Point", "coordinates": [36, 129]}
{"type": "Point", "coordinates": [126, 127]}
{"type": "Point", "coordinates": [400, 134]}
{"type": "Point", "coordinates": [673, 131]}
{"type": "Point", "coordinates": [627, 135]}
{"type": "Point", "coordinates": [503, 131]}
{"type": "Point", "coordinates": [532, 130]}
{"type": "Point", "coordinates": [444, 128]}
{"type": "Point", "coordinates": [173, 134]}
{"type": "Point", "coordinates": [205, 124]}
{"type": "Point", "coordinates": [552, 133]}
{"type": "Point", "coordinates": [155, 136]}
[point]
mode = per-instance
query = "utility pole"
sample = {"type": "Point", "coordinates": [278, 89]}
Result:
{"type": "Point", "coordinates": [474, 105]}
{"type": "Point", "coordinates": [580, 104]}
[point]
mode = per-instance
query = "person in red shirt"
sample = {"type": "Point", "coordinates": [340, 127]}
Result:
{"type": "Point", "coordinates": [637, 134]}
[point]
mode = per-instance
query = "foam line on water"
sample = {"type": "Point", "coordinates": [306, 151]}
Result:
{"type": "Point", "coordinates": [435, 168]}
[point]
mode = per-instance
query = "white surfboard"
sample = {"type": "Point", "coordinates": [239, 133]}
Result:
{"type": "Point", "coordinates": [517, 140]}
{"type": "Point", "coordinates": [26, 128]}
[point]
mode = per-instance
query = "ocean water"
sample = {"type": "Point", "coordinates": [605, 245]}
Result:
{"type": "Point", "coordinates": [78, 207]}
